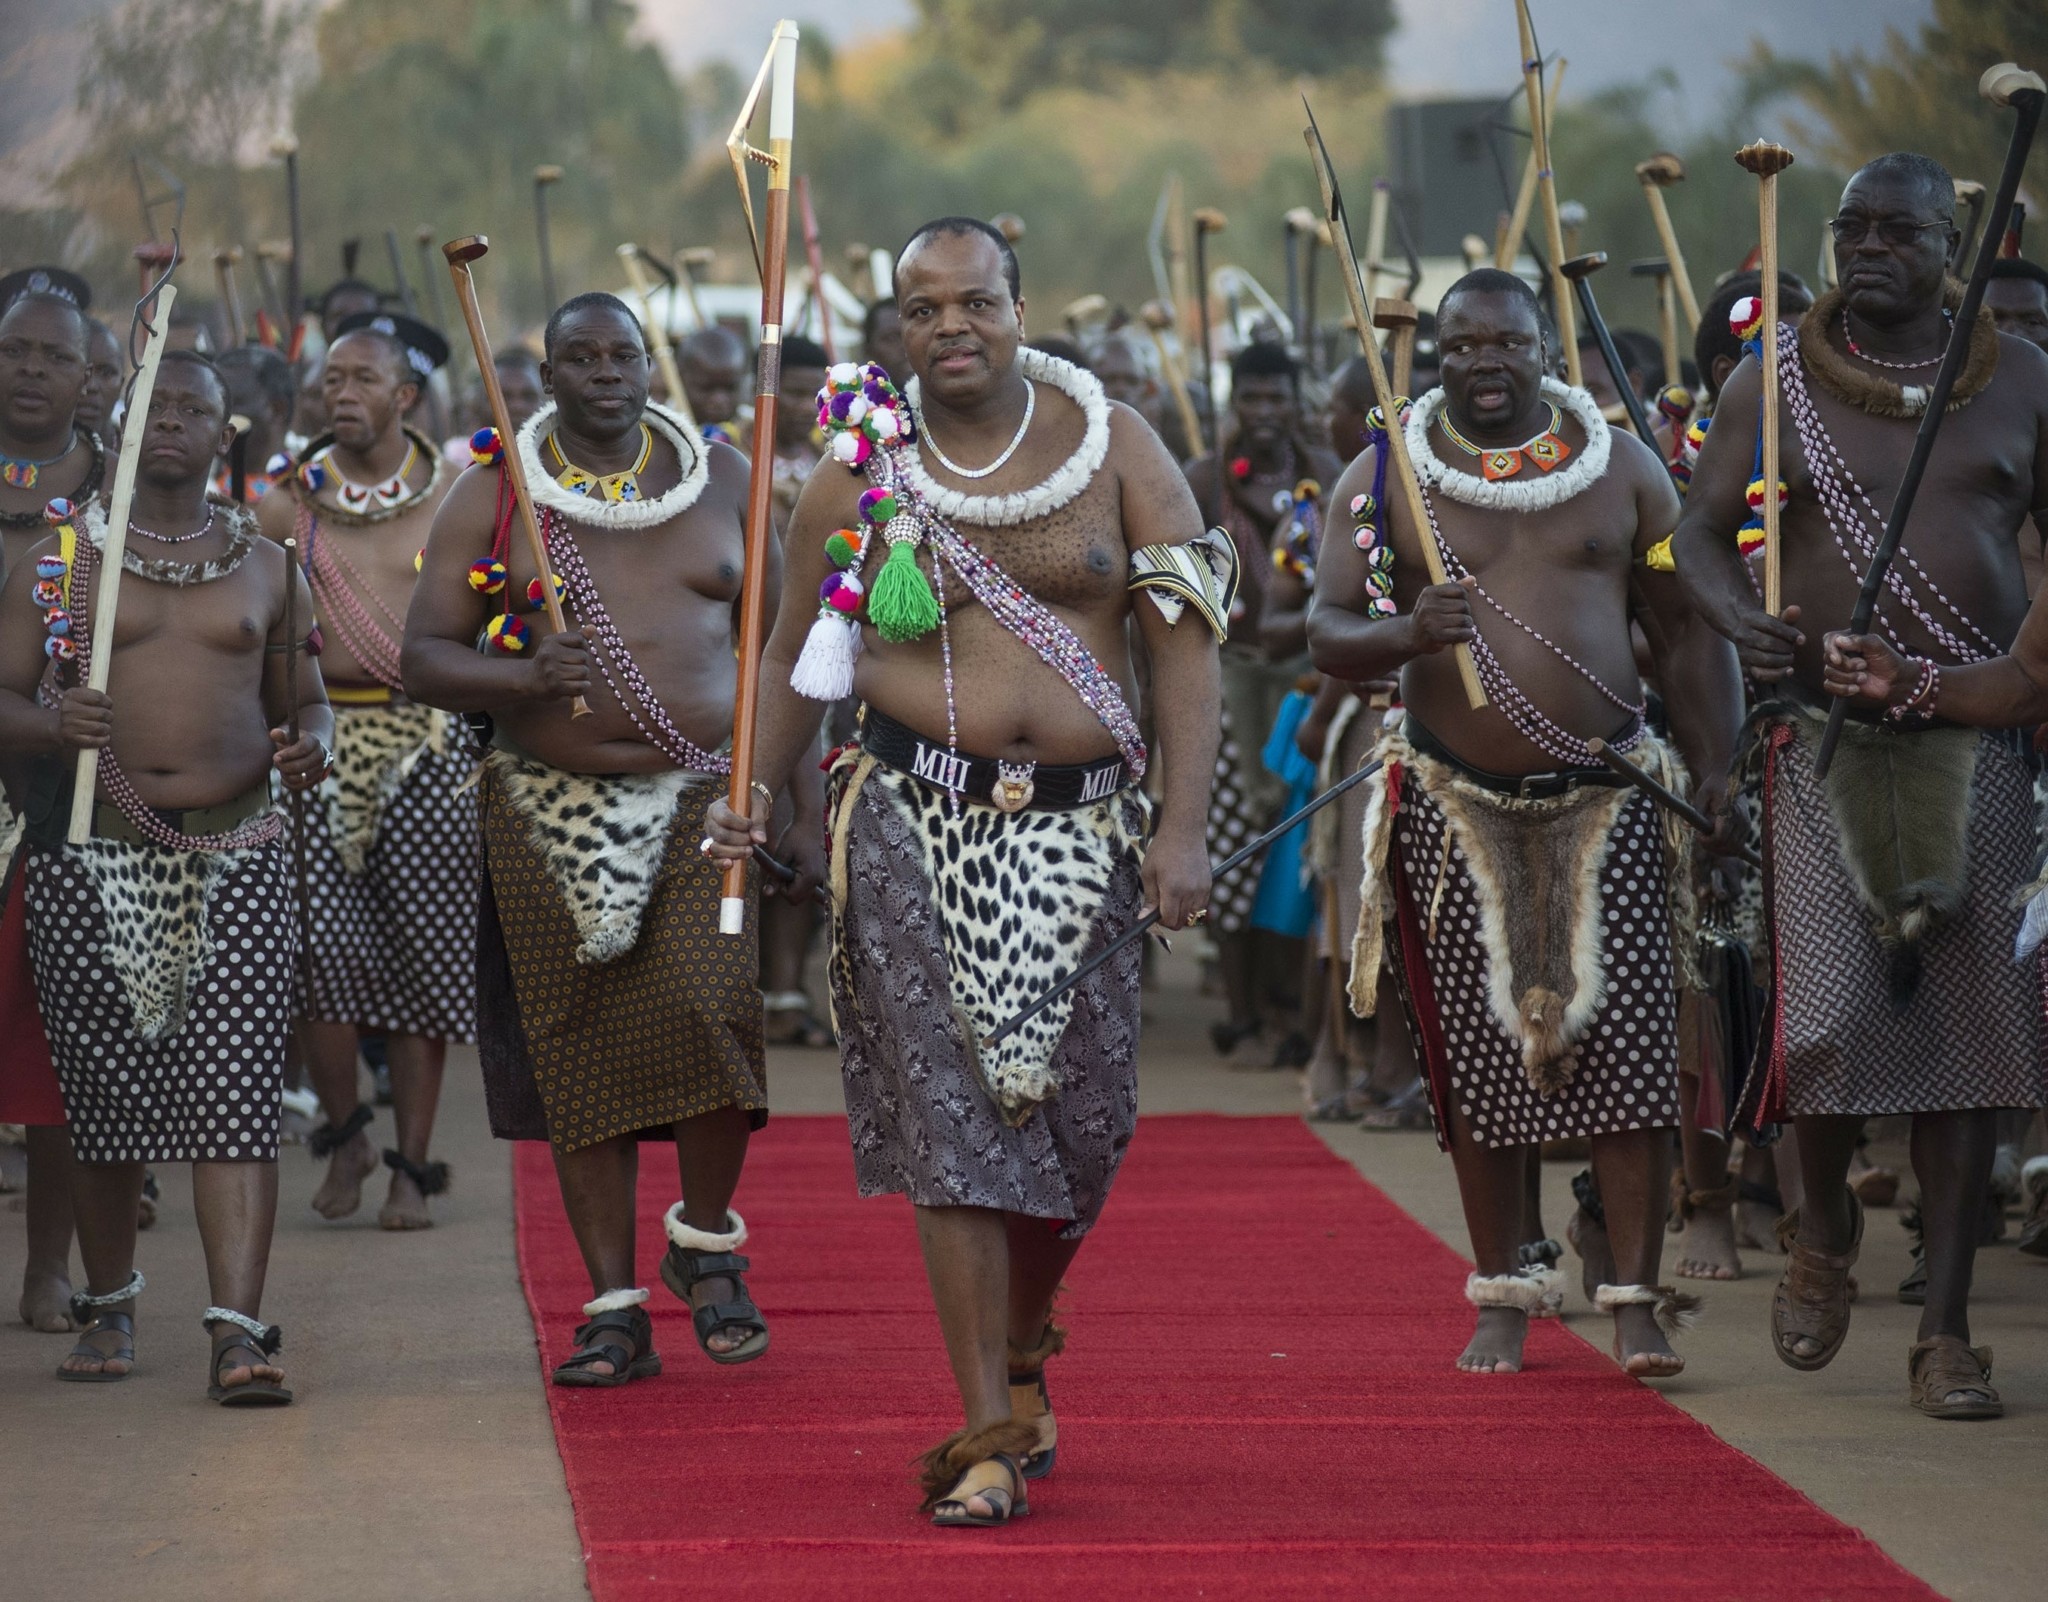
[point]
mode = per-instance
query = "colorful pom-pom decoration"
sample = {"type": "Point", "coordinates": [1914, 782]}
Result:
{"type": "Point", "coordinates": [487, 575]}
{"type": "Point", "coordinates": [860, 411]}
{"type": "Point", "coordinates": [842, 547]}
{"type": "Point", "coordinates": [1746, 317]}
{"type": "Point", "coordinates": [314, 476]}
{"type": "Point", "coordinates": [536, 597]}
{"type": "Point", "coordinates": [877, 506]}
{"type": "Point", "coordinates": [49, 567]}
{"type": "Point", "coordinates": [1241, 467]}
{"type": "Point", "coordinates": [58, 511]}
{"type": "Point", "coordinates": [485, 448]}
{"type": "Point", "coordinates": [1364, 508]}
{"type": "Point", "coordinates": [1750, 538]}
{"type": "Point", "coordinates": [57, 621]}
{"type": "Point", "coordinates": [851, 449]}
{"type": "Point", "coordinates": [1382, 606]}
{"type": "Point", "coordinates": [842, 592]}
{"type": "Point", "coordinates": [1755, 496]}
{"type": "Point", "coordinates": [59, 649]}
{"type": "Point", "coordinates": [279, 464]}
{"type": "Point", "coordinates": [506, 633]}
{"type": "Point", "coordinates": [47, 594]}
{"type": "Point", "coordinates": [1308, 490]}
{"type": "Point", "coordinates": [1674, 401]}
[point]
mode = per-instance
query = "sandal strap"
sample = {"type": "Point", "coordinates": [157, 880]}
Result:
{"type": "Point", "coordinates": [697, 1266]}
{"type": "Point", "coordinates": [632, 1322]}
{"type": "Point", "coordinates": [84, 1308]}
{"type": "Point", "coordinates": [431, 1178]}
{"type": "Point", "coordinates": [330, 1138]}
{"type": "Point", "coordinates": [1943, 1364]}
{"type": "Point", "coordinates": [715, 1316]}
{"type": "Point", "coordinates": [1010, 1492]}
{"type": "Point", "coordinates": [269, 1338]}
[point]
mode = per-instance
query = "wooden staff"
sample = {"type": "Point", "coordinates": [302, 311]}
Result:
{"type": "Point", "coordinates": [1766, 161]}
{"type": "Point", "coordinates": [460, 253]}
{"type": "Point", "coordinates": [1208, 220]}
{"type": "Point", "coordinates": [1969, 193]}
{"type": "Point", "coordinates": [814, 257]}
{"type": "Point", "coordinates": [224, 261]}
{"type": "Point", "coordinates": [1398, 318]}
{"type": "Point", "coordinates": [545, 174]}
{"type": "Point", "coordinates": [1376, 237]}
{"type": "Point", "coordinates": [1158, 317]}
{"type": "Point", "coordinates": [1383, 394]}
{"type": "Point", "coordinates": [1656, 175]}
{"type": "Point", "coordinates": [1176, 236]}
{"type": "Point", "coordinates": [286, 149]}
{"type": "Point", "coordinates": [295, 800]}
{"type": "Point", "coordinates": [771, 254]}
{"type": "Point", "coordinates": [1546, 188]}
{"type": "Point", "coordinates": [423, 237]}
{"type": "Point", "coordinates": [1667, 312]}
{"type": "Point", "coordinates": [1580, 270]}
{"type": "Point", "coordinates": [157, 320]}
{"type": "Point", "coordinates": [688, 260]}
{"type": "Point", "coordinates": [405, 294]}
{"type": "Point", "coordinates": [2003, 85]}
{"type": "Point", "coordinates": [657, 333]}
{"type": "Point", "coordinates": [1509, 245]}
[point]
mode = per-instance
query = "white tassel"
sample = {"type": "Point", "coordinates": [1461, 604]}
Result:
{"type": "Point", "coordinates": [824, 672]}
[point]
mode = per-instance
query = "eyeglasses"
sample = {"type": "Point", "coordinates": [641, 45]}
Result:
{"type": "Point", "coordinates": [1894, 231]}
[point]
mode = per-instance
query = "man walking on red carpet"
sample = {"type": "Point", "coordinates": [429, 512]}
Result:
{"type": "Point", "coordinates": [1540, 902]}
{"type": "Point", "coordinates": [964, 884]}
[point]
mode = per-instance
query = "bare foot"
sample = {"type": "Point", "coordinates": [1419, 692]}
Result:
{"type": "Point", "coordinates": [404, 1207]}
{"type": "Point", "coordinates": [341, 1192]}
{"type": "Point", "coordinates": [1496, 1346]}
{"type": "Point", "coordinates": [1707, 1250]}
{"type": "Point", "coordinates": [94, 1352]}
{"type": "Point", "coordinates": [1640, 1346]}
{"type": "Point", "coordinates": [46, 1302]}
{"type": "Point", "coordinates": [1756, 1226]}
{"type": "Point", "coordinates": [1596, 1257]}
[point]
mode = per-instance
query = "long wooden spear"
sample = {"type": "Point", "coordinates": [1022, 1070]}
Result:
{"type": "Point", "coordinates": [1382, 390]}
{"type": "Point", "coordinates": [771, 256]}
{"type": "Point", "coordinates": [1546, 190]}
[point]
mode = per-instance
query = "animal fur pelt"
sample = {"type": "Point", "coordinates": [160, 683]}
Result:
{"type": "Point", "coordinates": [375, 750]}
{"type": "Point", "coordinates": [1535, 868]}
{"type": "Point", "coordinates": [1676, 1311]}
{"type": "Point", "coordinates": [154, 903]}
{"type": "Point", "coordinates": [602, 837]}
{"type": "Point", "coordinates": [1017, 898]}
{"type": "Point", "coordinates": [1901, 804]}
{"type": "Point", "coordinates": [939, 1469]}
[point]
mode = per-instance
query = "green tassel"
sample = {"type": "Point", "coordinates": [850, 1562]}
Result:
{"type": "Point", "coordinates": [900, 601]}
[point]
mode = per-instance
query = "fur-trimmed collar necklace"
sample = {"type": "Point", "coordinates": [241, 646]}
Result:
{"type": "Point", "coordinates": [1858, 386]}
{"type": "Point", "coordinates": [548, 491]}
{"type": "Point", "coordinates": [241, 524]}
{"type": "Point", "coordinates": [1066, 482]}
{"type": "Point", "coordinates": [374, 511]}
{"type": "Point", "coordinates": [1514, 494]}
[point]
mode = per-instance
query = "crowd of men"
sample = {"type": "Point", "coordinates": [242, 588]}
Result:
{"type": "Point", "coordinates": [359, 802]}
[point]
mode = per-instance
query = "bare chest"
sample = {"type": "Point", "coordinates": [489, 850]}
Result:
{"type": "Point", "coordinates": [643, 575]}
{"type": "Point", "coordinates": [230, 616]}
{"type": "Point", "coordinates": [1072, 558]}
{"type": "Point", "coordinates": [1591, 535]}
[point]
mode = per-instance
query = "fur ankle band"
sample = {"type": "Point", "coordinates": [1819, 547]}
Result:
{"type": "Point", "coordinates": [1677, 1311]}
{"type": "Point", "coordinates": [615, 1301]}
{"type": "Point", "coordinates": [940, 1468]}
{"type": "Point", "coordinates": [702, 1240]}
{"type": "Point", "coordinates": [1524, 1292]}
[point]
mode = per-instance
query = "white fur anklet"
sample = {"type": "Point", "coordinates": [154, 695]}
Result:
{"type": "Point", "coordinates": [701, 1240]}
{"type": "Point", "coordinates": [1518, 1291]}
{"type": "Point", "coordinates": [614, 1301]}
{"type": "Point", "coordinates": [1677, 1311]}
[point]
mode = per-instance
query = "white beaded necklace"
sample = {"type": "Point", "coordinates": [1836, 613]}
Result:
{"type": "Point", "coordinates": [1517, 494]}
{"type": "Point", "coordinates": [692, 457]}
{"type": "Point", "coordinates": [1065, 483]}
{"type": "Point", "coordinates": [924, 430]}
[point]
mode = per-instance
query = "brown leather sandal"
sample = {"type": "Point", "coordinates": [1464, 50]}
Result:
{"type": "Point", "coordinates": [977, 1463]}
{"type": "Point", "coordinates": [1949, 1378]}
{"type": "Point", "coordinates": [1813, 1296]}
{"type": "Point", "coordinates": [1031, 1402]}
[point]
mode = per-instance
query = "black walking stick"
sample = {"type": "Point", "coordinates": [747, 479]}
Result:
{"type": "Point", "coordinates": [1223, 869]}
{"type": "Point", "coordinates": [2003, 85]}
{"type": "Point", "coordinates": [1663, 795]}
{"type": "Point", "coordinates": [296, 799]}
{"type": "Point", "coordinates": [1580, 270]}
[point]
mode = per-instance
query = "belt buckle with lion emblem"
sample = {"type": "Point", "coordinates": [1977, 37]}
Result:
{"type": "Point", "coordinates": [1014, 786]}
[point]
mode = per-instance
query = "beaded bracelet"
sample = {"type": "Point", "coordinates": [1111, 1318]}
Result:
{"type": "Point", "coordinates": [1919, 706]}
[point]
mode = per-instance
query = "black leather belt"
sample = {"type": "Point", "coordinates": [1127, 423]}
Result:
{"type": "Point", "coordinates": [1522, 786]}
{"type": "Point", "coordinates": [1006, 786]}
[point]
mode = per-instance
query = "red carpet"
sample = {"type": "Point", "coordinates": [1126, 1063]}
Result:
{"type": "Point", "coordinates": [1257, 1402]}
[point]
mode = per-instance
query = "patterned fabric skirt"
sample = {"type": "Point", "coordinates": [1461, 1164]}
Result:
{"type": "Point", "coordinates": [922, 1122]}
{"type": "Point", "coordinates": [1972, 1034]}
{"type": "Point", "coordinates": [394, 927]}
{"type": "Point", "coordinates": [1625, 1064]}
{"type": "Point", "coordinates": [578, 1051]}
{"type": "Point", "coordinates": [206, 1090]}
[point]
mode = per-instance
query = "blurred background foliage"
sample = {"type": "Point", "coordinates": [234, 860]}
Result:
{"type": "Point", "coordinates": [1069, 113]}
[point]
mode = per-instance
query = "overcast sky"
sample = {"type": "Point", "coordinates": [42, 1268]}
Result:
{"type": "Point", "coordinates": [1467, 47]}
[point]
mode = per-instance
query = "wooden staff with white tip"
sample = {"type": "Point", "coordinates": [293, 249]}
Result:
{"type": "Point", "coordinates": [107, 599]}
{"type": "Point", "coordinates": [1766, 161]}
{"type": "Point", "coordinates": [1546, 190]}
{"type": "Point", "coordinates": [771, 256]}
{"type": "Point", "coordinates": [1383, 394]}
{"type": "Point", "coordinates": [1656, 175]}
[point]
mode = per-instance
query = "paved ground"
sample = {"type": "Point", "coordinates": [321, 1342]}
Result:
{"type": "Point", "coordinates": [419, 1460]}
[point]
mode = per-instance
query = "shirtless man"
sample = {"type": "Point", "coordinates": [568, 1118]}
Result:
{"type": "Point", "coordinates": [713, 365]}
{"type": "Point", "coordinates": [165, 1057]}
{"type": "Point", "coordinates": [610, 1009]}
{"type": "Point", "coordinates": [391, 836]}
{"type": "Point", "coordinates": [43, 453]}
{"type": "Point", "coordinates": [1499, 805]}
{"type": "Point", "coordinates": [1891, 916]}
{"type": "Point", "coordinates": [106, 369]}
{"type": "Point", "coordinates": [1007, 1154]}
{"type": "Point", "coordinates": [881, 336]}
{"type": "Point", "coordinates": [2017, 299]}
